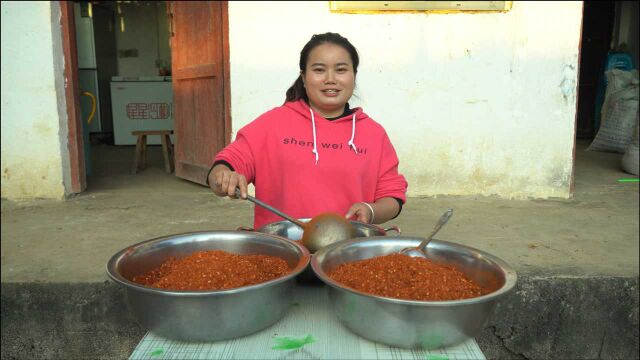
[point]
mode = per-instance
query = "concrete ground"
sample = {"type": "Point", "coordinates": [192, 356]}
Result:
{"type": "Point", "coordinates": [577, 259]}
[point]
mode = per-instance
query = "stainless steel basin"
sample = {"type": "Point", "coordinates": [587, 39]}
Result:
{"type": "Point", "coordinates": [292, 231]}
{"type": "Point", "coordinates": [207, 315]}
{"type": "Point", "coordinates": [414, 324]}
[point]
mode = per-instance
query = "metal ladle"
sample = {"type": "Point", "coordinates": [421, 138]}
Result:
{"type": "Point", "coordinates": [419, 250]}
{"type": "Point", "coordinates": [320, 231]}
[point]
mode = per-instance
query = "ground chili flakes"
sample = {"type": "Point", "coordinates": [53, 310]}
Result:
{"type": "Point", "coordinates": [214, 270]}
{"type": "Point", "coordinates": [408, 278]}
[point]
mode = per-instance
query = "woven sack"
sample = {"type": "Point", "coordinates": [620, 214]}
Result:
{"type": "Point", "coordinates": [630, 161]}
{"type": "Point", "coordinates": [618, 112]}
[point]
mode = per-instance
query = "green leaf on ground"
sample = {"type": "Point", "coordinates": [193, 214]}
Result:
{"type": "Point", "coordinates": [436, 357]}
{"type": "Point", "coordinates": [288, 343]}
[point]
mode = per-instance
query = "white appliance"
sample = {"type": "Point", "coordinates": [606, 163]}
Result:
{"type": "Point", "coordinates": [141, 103]}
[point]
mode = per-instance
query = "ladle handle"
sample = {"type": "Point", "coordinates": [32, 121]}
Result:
{"type": "Point", "coordinates": [443, 220]}
{"type": "Point", "coordinates": [273, 210]}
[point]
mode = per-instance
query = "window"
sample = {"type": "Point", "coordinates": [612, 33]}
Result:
{"type": "Point", "coordinates": [417, 6]}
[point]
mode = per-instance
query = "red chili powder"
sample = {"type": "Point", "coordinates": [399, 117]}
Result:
{"type": "Point", "coordinates": [214, 270]}
{"type": "Point", "coordinates": [408, 278]}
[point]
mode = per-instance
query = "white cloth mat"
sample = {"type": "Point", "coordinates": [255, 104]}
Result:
{"type": "Point", "coordinates": [310, 315]}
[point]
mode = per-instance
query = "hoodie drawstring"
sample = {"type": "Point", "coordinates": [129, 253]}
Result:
{"type": "Point", "coordinates": [352, 145]}
{"type": "Point", "coordinates": [353, 133]}
{"type": "Point", "coordinates": [315, 146]}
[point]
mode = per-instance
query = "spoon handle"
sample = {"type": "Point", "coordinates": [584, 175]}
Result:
{"type": "Point", "coordinates": [272, 209]}
{"type": "Point", "coordinates": [443, 220]}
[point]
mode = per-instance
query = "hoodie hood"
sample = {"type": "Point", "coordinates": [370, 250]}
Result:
{"type": "Point", "coordinates": [302, 108]}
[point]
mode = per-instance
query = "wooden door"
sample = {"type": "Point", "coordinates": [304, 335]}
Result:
{"type": "Point", "coordinates": [200, 73]}
{"type": "Point", "coordinates": [77, 175]}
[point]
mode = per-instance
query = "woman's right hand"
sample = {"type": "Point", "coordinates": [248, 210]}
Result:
{"type": "Point", "coordinates": [223, 182]}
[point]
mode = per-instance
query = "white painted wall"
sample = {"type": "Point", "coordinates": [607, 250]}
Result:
{"type": "Point", "coordinates": [33, 104]}
{"type": "Point", "coordinates": [474, 103]}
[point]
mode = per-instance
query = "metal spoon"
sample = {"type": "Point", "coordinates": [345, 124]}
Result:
{"type": "Point", "coordinates": [320, 231]}
{"type": "Point", "coordinates": [272, 209]}
{"type": "Point", "coordinates": [419, 250]}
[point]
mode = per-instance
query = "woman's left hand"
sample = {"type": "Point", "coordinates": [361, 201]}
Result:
{"type": "Point", "coordinates": [361, 211]}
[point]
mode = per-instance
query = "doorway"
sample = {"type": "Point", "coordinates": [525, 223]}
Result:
{"type": "Point", "coordinates": [597, 31]}
{"type": "Point", "coordinates": [125, 82]}
{"type": "Point", "coordinates": [607, 27]}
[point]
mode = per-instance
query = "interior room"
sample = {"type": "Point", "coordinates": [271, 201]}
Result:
{"type": "Point", "coordinates": [124, 63]}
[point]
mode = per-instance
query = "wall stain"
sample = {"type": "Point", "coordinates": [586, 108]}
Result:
{"type": "Point", "coordinates": [43, 129]}
{"type": "Point", "coordinates": [29, 179]}
{"type": "Point", "coordinates": [475, 101]}
{"type": "Point", "coordinates": [485, 169]}
{"type": "Point", "coordinates": [568, 84]}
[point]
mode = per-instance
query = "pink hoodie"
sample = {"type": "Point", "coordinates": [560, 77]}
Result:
{"type": "Point", "coordinates": [276, 153]}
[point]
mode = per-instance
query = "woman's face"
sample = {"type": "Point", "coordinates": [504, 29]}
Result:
{"type": "Point", "coordinates": [329, 79]}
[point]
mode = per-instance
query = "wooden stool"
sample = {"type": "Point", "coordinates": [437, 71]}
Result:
{"type": "Point", "coordinates": [140, 160]}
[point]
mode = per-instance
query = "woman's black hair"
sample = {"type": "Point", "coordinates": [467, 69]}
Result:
{"type": "Point", "coordinates": [297, 90]}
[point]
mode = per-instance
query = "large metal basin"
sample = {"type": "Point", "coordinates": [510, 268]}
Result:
{"type": "Point", "coordinates": [414, 324]}
{"type": "Point", "coordinates": [293, 232]}
{"type": "Point", "coordinates": [207, 315]}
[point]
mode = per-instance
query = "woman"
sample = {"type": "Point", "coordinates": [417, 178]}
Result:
{"type": "Point", "coordinates": [315, 154]}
